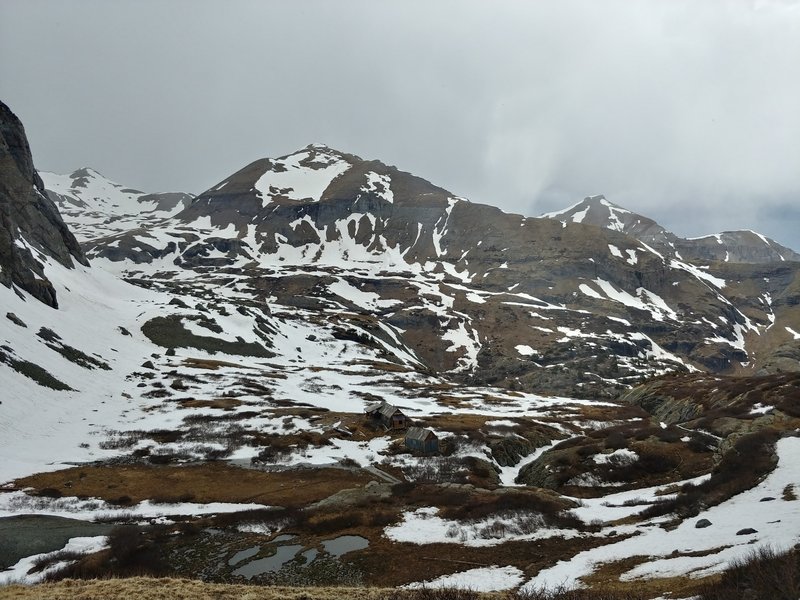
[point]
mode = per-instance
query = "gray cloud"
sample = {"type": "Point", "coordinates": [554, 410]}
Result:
{"type": "Point", "coordinates": [684, 111]}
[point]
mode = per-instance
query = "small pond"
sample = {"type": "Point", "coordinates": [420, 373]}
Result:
{"type": "Point", "coordinates": [335, 548]}
{"type": "Point", "coordinates": [243, 554]}
{"type": "Point", "coordinates": [26, 535]}
{"type": "Point", "coordinates": [344, 544]}
{"type": "Point", "coordinates": [269, 564]}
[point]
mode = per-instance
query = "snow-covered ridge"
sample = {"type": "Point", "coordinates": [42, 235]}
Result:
{"type": "Point", "coordinates": [602, 211]}
{"type": "Point", "coordinates": [89, 191]}
{"type": "Point", "coordinates": [94, 206]}
{"type": "Point", "coordinates": [744, 246]}
{"type": "Point", "coordinates": [303, 175]}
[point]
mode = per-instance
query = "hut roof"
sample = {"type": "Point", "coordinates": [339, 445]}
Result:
{"type": "Point", "coordinates": [374, 406]}
{"type": "Point", "coordinates": [419, 433]}
{"type": "Point", "coordinates": [388, 410]}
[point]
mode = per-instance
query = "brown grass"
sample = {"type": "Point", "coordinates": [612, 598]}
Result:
{"type": "Point", "coordinates": [211, 482]}
{"type": "Point", "coordinates": [143, 588]}
{"type": "Point", "coordinates": [764, 574]}
{"type": "Point", "coordinates": [221, 403]}
{"type": "Point", "coordinates": [750, 459]}
{"type": "Point", "coordinates": [211, 364]}
{"type": "Point", "coordinates": [410, 562]}
{"type": "Point", "coordinates": [606, 577]}
{"type": "Point", "coordinates": [379, 365]}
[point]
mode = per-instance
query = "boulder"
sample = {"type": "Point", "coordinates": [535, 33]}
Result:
{"type": "Point", "coordinates": [702, 524]}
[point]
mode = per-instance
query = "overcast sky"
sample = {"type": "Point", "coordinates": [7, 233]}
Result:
{"type": "Point", "coordinates": [685, 111]}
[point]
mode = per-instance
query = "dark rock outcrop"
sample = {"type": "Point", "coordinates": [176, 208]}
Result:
{"type": "Point", "coordinates": [702, 524]}
{"type": "Point", "coordinates": [730, 404]}
{"type": "Point", "coordinates": [29, 221]}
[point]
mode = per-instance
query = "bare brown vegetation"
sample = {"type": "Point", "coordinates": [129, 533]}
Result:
{"type": "Point", "coordinates": [211, 482]}
{"type": "Point", "coordinates": [762, 575]}
{"type": "Point", "coordinates": [750, 459]}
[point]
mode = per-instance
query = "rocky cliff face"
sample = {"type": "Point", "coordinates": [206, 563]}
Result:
{"type": "Point", "coordinates": [30, 225]}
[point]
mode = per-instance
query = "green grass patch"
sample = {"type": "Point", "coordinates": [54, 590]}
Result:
{"type": "Point", "coordinates": [169, 332]}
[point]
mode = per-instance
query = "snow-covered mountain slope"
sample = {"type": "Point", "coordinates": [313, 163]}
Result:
{"type": "Point", "coordinates": [94, 206]}
{"type": "Point", "coordinates": [730, 246]}
{"type": "Point", "coordinates": [92, 377]}
{"type": "Point", "coordinates": [64, 370]}
{"type": "Point", "coordinates": [463, 288]}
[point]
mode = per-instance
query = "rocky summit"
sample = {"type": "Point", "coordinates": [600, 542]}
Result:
{"type": "Point", "coordinates": [729, 246]}
{"type": "Point", "coordinates": [324, 365]}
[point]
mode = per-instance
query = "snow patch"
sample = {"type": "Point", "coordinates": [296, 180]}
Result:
{"type": "Point", "coordinates": [480, 579]}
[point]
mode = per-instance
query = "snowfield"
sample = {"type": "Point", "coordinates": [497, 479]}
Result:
{"type": "Point", "coordinates": [481, 579]}
{"type": "Point", "coordinates": [775, 521]}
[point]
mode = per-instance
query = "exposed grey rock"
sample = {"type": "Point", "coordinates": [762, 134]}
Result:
{"type": "Point", "coordinates": [746, 531]}
{"type": "Point", "coordinates": [372, 491]}
{"type": "Point", "coordinates": [507, 451]}
{"type": "Point", "coordinates": [702, 523]}
{"type": "Point", "coordinates": [15, 319]}
{"type": "Point", "coordinates": [29, 221]}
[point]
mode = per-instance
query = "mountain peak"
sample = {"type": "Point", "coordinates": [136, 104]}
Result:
{"type": "Point", "coordinates": [315, 173]}
{"type": "Point", "coordinates": [319, 147]}
{"type": "Point", "coordinates": [730, 246]}
{"type": "Point", "coordinates": [85, 172]}
{"type": "Point", "coordinates": [597, 210]}
{"type": "Point", "coordinates": [595, 199]}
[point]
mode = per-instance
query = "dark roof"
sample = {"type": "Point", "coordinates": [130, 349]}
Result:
{"type": "Point", "coordinates": [374, 406]}
{"type": "Point", "coordinates": [389, 410]}
{"type": "Point", "coordinates": [419, 433]}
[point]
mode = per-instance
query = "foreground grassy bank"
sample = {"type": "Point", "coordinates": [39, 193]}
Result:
{"type": "Point", "coordinates": [145, 588]}
{"type": "Point", "coordinates": [762, 575]}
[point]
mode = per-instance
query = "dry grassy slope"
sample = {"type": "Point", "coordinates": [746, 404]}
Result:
{"type": "Point", "coordinates": [142, 588]}
{"type": "Point", "coordinates": [672, 441]}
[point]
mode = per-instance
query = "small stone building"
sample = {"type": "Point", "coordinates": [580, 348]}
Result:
{"type": "Point", "coordinates": [387, 415]}
{"type": "Point", "coordinates": [422, 440]}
